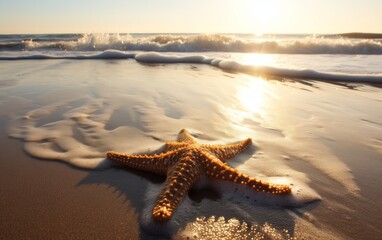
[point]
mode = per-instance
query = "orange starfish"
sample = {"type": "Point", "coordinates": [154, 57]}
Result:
{"type": "Point", "coordinates": [183, 162]}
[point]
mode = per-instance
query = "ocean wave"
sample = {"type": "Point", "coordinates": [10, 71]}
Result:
{"type": "Point", "coordinates": [224, 64]}
{"type": "Point", "coordinates": [199, 43]}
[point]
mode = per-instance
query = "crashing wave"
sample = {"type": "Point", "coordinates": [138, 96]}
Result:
{"type": "Point", "coordinates": [199, 43]}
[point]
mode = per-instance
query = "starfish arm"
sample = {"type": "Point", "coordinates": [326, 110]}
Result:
{"type": "Point", "coordinates": [170, 146]}
{"type": "Point", "coordinates": [183, 162]}
{"type": "Point", "coordinates": [179, 180]}
{"type": "Point", "coordinates": [218, 170]}
{"type": "Point", "coordinates": [185, 137]}
{"type": "Point", "coordinates": [224, 152]}
{"type": "Point", "coordinates": [157, 163]}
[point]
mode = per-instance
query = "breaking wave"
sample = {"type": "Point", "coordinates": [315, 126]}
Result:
{"type": "Point", "coordinates": [290, 44]}
{"type": "Point", "coordinates": [224, 64]}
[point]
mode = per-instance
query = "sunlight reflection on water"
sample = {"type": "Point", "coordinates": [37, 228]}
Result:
{"type": "Point", "coordinates": [259, 59]}
{"type": "Point", "coordinates": [253, 95]}
{"type": "Point", "coordinates": [252, 102]}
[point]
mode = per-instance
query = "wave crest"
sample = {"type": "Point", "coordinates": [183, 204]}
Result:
{"type": "Point", "coordinates": [202, 43]}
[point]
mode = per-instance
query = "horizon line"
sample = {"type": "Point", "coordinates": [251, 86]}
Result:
{"type": "Point", "coordinates": [206, 33]}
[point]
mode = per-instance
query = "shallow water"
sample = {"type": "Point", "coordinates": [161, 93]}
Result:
{"type": "Point", "coordinates": [323, 138]}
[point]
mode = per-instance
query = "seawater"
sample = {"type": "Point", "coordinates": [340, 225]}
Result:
{"type": "Point", "coordinates": [319, 57]}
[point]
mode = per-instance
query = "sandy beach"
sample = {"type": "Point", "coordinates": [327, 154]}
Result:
{"type": "Point", "coordinates": [205, 120]}
{"type": "Point", "coordinates": [60, 117]}
{"type": "Point", "coordinates": [45, 200]}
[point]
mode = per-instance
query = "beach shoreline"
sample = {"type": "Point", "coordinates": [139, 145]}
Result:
{"type": "Point", "coordinates": [304, 132]}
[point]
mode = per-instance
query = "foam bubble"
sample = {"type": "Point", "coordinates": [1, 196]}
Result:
{"type": "Point", "coordinates": [244, 203]}
{"type": "Point", "coordinates": [220, 228]}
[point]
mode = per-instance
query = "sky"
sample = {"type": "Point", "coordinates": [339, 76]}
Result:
{"type": "Point", "coordinates": [194, 16]}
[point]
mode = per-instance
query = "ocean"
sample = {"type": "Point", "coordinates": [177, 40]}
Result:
{"type": "Point", "coordinates": [311, 103]}
{"type": "Point", "coordinates": [326, 57]}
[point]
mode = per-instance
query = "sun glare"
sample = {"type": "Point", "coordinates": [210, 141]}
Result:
{"type": "Point", "coordinates": [258, 59]}
{"type": "Point", "coordinates": [252, 96]}
{"type": "Point", "coordinates": [264, 11]}
{"type": "Point", "coordinates": [261, 15]}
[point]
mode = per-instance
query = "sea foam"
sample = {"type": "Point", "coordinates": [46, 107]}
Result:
{"type": "Point", "coordinates": [197, 43]}
{"type": "Point", "coordinates": [224, 64]}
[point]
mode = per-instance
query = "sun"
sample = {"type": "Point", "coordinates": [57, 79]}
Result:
{"type": "Point", "coordinates": [264, 10]}
{"type": "Point", "coordinates": [261, 15]}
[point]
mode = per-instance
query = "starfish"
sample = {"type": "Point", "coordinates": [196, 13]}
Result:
{"type": "Point", "coordinates": [184, 162]}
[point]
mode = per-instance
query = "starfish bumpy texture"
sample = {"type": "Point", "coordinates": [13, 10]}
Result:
{"type": "Point", "coordinates": [184, 162]}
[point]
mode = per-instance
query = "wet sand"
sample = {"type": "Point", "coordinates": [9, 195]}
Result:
{"type": "Point", "coordinates": [324, 138]}
{"type": "Point", "coordinates": [48, 200]}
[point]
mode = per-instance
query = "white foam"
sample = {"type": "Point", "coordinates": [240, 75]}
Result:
{"type": "Point", "coordinates": [78, 138]}
{"type": "Point", "coordinates": [227, 65]}
{"type": "Point", "coordinates": [110, 54]}
{"type": "Point", "coordinates": [154, 57]}
{"type": "Point", "coordinates": [204, 43]}
{"type": "Point", "coordinates": [299, 73]}
{"type": "Point", "coordinates": [107, 54]}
